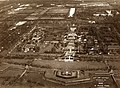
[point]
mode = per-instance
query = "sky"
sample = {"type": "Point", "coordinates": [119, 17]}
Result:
{"type": "Point", "coordinates": [76, 0]}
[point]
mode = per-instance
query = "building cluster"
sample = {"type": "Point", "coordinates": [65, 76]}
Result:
{"type": "Point", "coordinates": [70, 43]}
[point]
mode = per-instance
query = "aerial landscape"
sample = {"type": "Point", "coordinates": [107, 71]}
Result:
{"type": "Point", "coordinates": [59, 44]}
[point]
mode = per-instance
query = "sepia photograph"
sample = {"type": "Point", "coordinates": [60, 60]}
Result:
{"type": "Point", "coordinates": [59, 43]}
